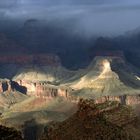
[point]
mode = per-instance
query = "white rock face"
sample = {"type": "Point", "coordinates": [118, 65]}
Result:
{"type": "Point", "coordinates": [138, 78]}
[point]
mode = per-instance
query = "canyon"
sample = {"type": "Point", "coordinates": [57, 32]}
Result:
{"type": "Point", "coordinates": [52, 80]}
{"type": "Point", "coordinates": [59, 81]}
{"type": "Point", "coordinates": [43, 91]}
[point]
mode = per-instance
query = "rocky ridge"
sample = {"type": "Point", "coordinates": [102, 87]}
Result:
{"type": "Point", "coordinates": [88, 123]}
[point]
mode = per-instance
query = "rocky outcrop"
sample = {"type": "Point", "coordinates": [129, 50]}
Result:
{"type": "Point", "coordinates": [9, 134]}
{"type": "Point", "coordinates": [38, 89]}
{"type": "Point", "coordinates": [124, 99]}
{"type": "Point", "coordinates": [31, 90]}
{"type": "Point", "coordinates": [132, 100]}
{"type": "Point", "coordinates": [9, 86]}
{"type": "Point", "coordinates": [107, 76]}
{"type": "Point", "coordinates": [40, 59]}
{"type": "Point", "coordinates": [88, 123]}
{"type": "Point", "coordinates": [44, 89]}
{"type": "Point", "coordinates": [5, 85]}
{"type": "Point", "coordinates": [51, 91]}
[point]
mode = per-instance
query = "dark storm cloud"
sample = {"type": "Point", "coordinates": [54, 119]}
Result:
{"type": "Point", "coordinates": [79, 16]}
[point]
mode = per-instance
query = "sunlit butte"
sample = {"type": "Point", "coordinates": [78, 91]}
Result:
{"type": "Point", "coordinates": [106, 66]}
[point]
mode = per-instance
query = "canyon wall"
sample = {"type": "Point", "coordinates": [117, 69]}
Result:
{"type": "Point", "coordinates": [123, 99]}
{"type": "Point", "coordinates": [40, 59]}
{"type": "Point", "coordinates": [45, 90]}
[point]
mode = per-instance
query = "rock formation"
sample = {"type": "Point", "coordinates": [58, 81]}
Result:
{"type": "Point", "coordinates": [9, 134]}
{"type": "Point", "coordinates": [123, 99]}
{"type": "Point", "coordinates": [10, 86]}
{"type": "Point", "coordinates": [5, 85]}
{"type": "Point", "coordinates": [88, 123]}
{"type": "Point", "coordinates": [106, 76]}
{"type": "Point", "coordinates": [44, 89]}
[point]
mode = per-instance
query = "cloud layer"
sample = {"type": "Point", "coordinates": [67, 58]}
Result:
{"type": "Point", "coordinates": [87, 17]}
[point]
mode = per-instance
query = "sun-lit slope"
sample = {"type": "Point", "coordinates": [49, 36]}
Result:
{"type": "Point", "coordinates": [43, 73]}
{"type": "Point", "coordinates": [7, 99]}
{"type": "Point", "coordinates": [100, 78]}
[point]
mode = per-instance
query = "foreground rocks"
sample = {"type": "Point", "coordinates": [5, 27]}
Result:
{"type": "Point", "coordinates": [88, 123]}
{"type": "Point", "coordinates": [9, 134]}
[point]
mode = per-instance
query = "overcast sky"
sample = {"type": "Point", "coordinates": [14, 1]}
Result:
{"type": "Point", "coordinates": [7, 3]}
{"type": "Point", "coordinates": [89, 16]}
